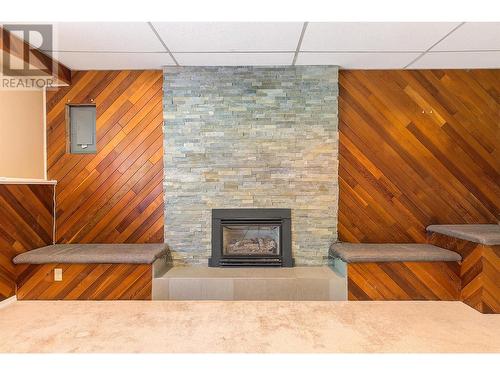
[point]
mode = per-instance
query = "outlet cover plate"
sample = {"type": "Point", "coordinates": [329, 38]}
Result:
{"type": "Point", "coordinates": [57, 274]}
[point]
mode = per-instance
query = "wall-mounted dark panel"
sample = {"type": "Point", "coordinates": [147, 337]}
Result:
{"type": "Point", "coordinates": [82, 129]}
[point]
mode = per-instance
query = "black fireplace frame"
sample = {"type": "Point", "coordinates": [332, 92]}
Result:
{"type": "Point", "coordinates": [279, 216]}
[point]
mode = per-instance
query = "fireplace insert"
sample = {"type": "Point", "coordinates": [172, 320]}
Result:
{"type": "Point", "coordinates": [251, 237]}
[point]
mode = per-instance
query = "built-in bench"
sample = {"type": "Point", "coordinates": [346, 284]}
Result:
{"type": "Point", "coordinates": [398, 271]}
{"type": "Point", "coordinates": [479, 246]}
{"type": "Point", "coordinates": [90, 271]}
{"type": "Point", "coordinates": [396, 252]}
{"type": "Point", "coordinates": [486, 234]}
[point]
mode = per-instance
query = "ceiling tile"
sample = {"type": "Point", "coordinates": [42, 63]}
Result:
{"type": "Point", "coordinates": [229, 36]}
{"type": "Point", "coordinates": [374, 36]}
{"type": "Point", "coordinates": [233, 59]}
{"type": "Point", "coordinates": [106, 37]}
{"type": "Point", "coordinates": [113, 61]}
{"type": "Point", "coordinates": [458, 60]}
{"type": "Point", "coordinates": [371, 60]}
{"type": "Point", "coordinates": [472, 36]}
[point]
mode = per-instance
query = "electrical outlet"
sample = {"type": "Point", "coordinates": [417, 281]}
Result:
{"type": "Point", "coordinates": [57, 274]}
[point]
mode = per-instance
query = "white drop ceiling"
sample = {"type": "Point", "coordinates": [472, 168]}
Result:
{"type": "Point", "coordinates": [230, 36]}
{"type": "Point", "coordinates": [353, 45]}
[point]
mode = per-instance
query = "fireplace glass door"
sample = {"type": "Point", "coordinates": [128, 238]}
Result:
{"type": "Point", "coordinates": [251, 239]}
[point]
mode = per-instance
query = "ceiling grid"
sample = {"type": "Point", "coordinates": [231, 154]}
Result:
{"type": "Point", "coordinates": [352, 45]}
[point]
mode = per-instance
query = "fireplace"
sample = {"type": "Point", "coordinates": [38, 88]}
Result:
{"type": "Point", "coordinates": [251, 237]}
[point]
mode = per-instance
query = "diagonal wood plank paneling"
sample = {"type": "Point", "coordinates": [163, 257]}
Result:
{"type": "Point", "coordinates": [85, 282]}
{"type": "Point", "coordinates": [114, 196]}
{"type": "Point", "coordinates": [26, 222]}
{"type": "Point", "coordinates": [403, 281]}
{"type": "Point", "coordinates": [401, 169]}
{"type": "Point", "coordinates": [479, 272]}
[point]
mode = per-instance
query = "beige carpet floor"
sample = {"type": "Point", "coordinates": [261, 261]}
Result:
{"type": "Point", "coordinates": [262, 327]}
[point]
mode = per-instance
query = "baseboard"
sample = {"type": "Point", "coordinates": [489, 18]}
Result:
{"type": "Point", "coordinates": [7, 302]}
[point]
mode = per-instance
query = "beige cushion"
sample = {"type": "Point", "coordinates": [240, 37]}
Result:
{"type": "Point", "coordinates": [486, 234]}
{"type": "Point", "coordinates": [94, 253]}
{"type": "Point", "coordinates": [367, 252]}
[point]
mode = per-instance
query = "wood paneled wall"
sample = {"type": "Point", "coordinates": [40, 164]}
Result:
{"type": "Point", "coordinates": [403, 281]}
{"type": "Point", "coordinates": [85, 282]}
{"type": "Point", "coordinates": [114, 196]}
{"type": "Point", "coordinates": [417, 147]}
{"type": "Point", "coordinates": [26, 222]}
{"type": "Point", "coordinates": [479, 272]}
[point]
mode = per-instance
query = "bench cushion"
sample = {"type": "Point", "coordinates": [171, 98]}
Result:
{"type": "Point", "coordinates": [94, 253]}
{"type": "Point", "coordinates": [486, 234]}
{"type": "Point", "coordinates": [368, 253]}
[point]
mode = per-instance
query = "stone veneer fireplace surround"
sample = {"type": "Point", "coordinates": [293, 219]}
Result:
{"type": "Point", "coordinates": [250, 137]}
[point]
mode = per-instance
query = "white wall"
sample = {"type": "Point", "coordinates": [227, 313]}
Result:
{"type": "Point", "coordinates": [22, 134]}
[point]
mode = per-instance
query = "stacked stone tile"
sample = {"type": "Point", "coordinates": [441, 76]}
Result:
{"type": "Point", "coordinates": [250, 137]}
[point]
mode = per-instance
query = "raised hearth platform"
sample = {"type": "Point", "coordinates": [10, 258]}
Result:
{"type": "Point", "coordinates": [321, 283]}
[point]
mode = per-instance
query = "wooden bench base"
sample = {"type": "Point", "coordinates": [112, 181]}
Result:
{"type": "Point", "coordinates": [480, 272]}
{"type": "Point", "coordinates": [85, 282]}
{"type": "Point", "coordinates": [403, 281]}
